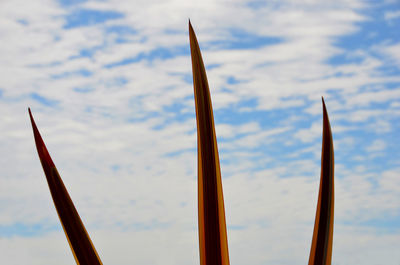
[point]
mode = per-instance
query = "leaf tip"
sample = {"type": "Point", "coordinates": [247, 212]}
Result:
{"type": "Point", "coordinates": [191, 31]}
{"type": "Point", "coordinates": [325, 115]}
{"type": "Point", "coordinates": [40, 146]}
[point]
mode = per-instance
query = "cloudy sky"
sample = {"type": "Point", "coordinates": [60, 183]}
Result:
{"type": "Point", "coordinates": [110, 86]}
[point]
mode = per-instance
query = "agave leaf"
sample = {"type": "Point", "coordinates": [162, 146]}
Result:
{"type": "Point", "coordinates": [212, 228]}
{"type": "Point", "coordinates": [321, 246]}
{"type": "Point", "coordinates": [77, 236]}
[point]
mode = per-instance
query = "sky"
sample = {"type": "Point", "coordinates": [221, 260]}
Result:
{"type": "Point", "coordinates": [110, 86]}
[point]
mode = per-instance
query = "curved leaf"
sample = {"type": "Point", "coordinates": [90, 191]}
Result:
{"type": "Point", "coordinates": [321, 246]}
{"type": "Point", "coordinates": [77, 236]}
{"type": "Point", "coordinates": [212, 228]}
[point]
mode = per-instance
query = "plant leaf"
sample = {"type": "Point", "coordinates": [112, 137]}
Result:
{"type": "Point", "coordinates": [77, 236]}
{"type": "Point", "coordinates": [321, 246]}
{"type": "Point", "coordinates": [212, 228]}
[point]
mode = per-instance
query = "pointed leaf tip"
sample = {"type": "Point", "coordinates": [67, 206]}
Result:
{"type": "Point", "coordinates": [30, 115]}
{"type": "Point", "coordinates": [44, 155]}
{"type": "Point", "coordinates": [191, 30]}
{"type": "Point", "coordinates": [326, 123]}
{"type": "Point", "coordinates": [192, 35]}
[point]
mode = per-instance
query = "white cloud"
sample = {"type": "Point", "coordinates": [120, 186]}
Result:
{"type": "Point", "coordinates": [376, 146]}
{"type": "Point", "coordinates": [390, 15]}
{"type": "Point", "coordinates": [392, 52]}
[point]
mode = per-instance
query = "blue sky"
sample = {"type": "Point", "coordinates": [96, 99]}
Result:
{"type": "Point", "coordinates": [110, 86]}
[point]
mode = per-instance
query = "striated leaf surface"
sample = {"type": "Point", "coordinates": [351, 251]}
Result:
{"type": "Point", "coordinates": [321, 246]}
{"type": "Point", "coordinates": [77, 236]}
{"type": "Point", "coordinates": [212, 227]}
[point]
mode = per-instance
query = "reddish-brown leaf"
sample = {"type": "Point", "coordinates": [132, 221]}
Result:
{"type": "Point", "coordinates": [212, 227]}
{"type": "Point", "coordinates": [77, 236]}
{"type": "Point", "coordinates": [321, 246]}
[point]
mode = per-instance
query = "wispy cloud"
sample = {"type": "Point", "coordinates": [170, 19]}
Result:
{"type": "Point", "coordinates": [390, 15]}
{"type": "Point", "coordinates": [377, 145]}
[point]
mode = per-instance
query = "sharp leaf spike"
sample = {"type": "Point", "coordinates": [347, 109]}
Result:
{"type": "Point", "coordinates": [212, 228]}
{"type": "Point", "coordinates": [77, 236]}
{"type": "Point", "coordinates": [321, 246]}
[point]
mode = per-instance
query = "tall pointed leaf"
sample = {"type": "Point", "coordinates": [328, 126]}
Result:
{"type": "Point", "coordinates": [212, 227]}
{"type": "Point", "coordinates": [78, 239]}
{"type": "Point", "coordinates": [321, 246]}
